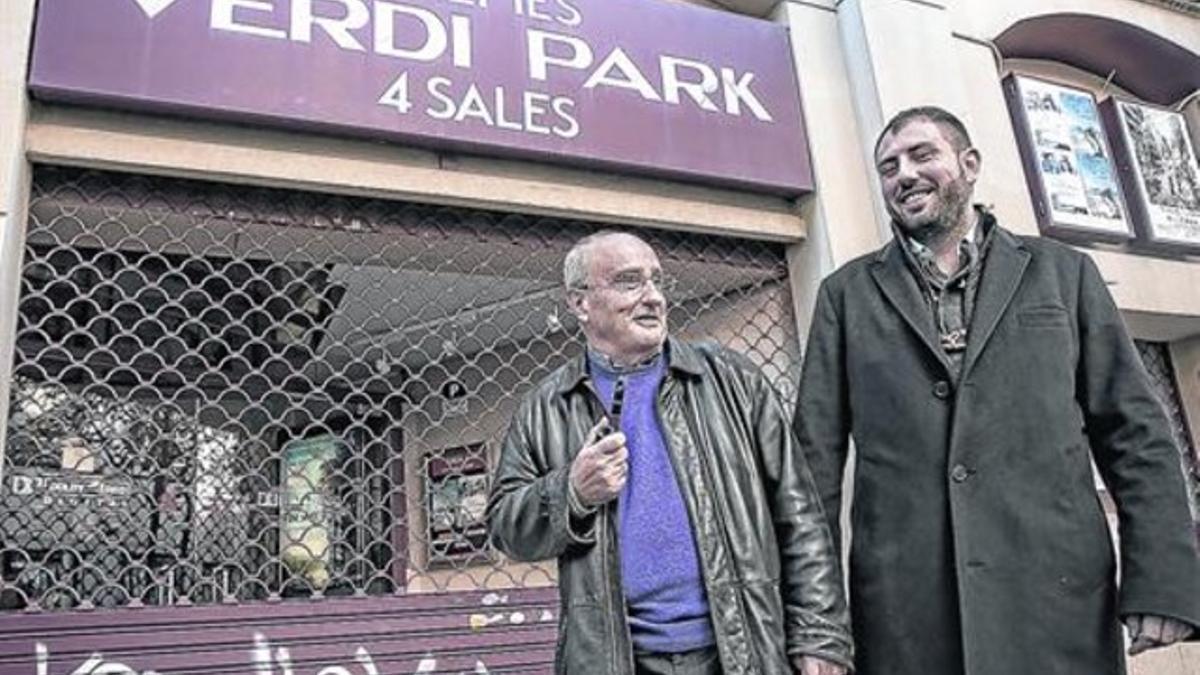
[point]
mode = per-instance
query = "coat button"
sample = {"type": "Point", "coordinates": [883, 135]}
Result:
{"type": "Point", "coordinates": [942, 389]}
{"type": "Point", "coordinates": [959, 473]}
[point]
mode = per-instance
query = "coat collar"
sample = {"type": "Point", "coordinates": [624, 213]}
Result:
{"type": "Point", "coordinates": [682, 359]}
{"type": "Point", "coordinates": [1003, 267]}
{"type": "Point", "coordinates": [900, 286]}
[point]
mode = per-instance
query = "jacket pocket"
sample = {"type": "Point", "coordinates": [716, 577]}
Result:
{"type": "Point", "coordinates": [582, 644]}
{"type": "Point", "coordinates": [1088, 560]}
{"type": "Point", "coordinates": [767, 626]}
{"type": "Point", "coordinates": [1048, 316]}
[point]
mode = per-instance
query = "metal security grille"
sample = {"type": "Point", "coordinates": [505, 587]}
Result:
{"type": "Point", "coordinates": [1157, 358]}
{"type": "Point", "coordinates": [225, 394]}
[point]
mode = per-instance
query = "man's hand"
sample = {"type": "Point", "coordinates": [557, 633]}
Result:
{"type": "Point", "coordinates": [1147, 631]}
{"type": "Point", "coordinates": [812, 665]}
{"type": "Point", "coordinates": [599, 470]}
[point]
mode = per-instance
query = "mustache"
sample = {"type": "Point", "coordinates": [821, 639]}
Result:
{"type": "Point", "coordinates": [916, 188]}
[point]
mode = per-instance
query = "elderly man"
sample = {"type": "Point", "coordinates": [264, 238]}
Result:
{"type": "Point", "coordinates": [980, 374]}
{"type": "Point", "coordinates": [664, 478]}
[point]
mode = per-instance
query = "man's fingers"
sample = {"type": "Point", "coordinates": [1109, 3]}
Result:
{"type": "Point", "coordinates": [610, 443]}
{"type": "Point", "coordinates": [1140, 645]}
{"type": "Point", "coordinates": [1134, 624]}
{"type": "Point", "coordinates": [597, 432]}
{"type": "Point", "coordinates": [811, 665]}
{"type": "Point", "coordinates": [1151, 631]}
{"type": "Point", "coordinates": [1152, 627]}
{"type": "Point", "coordinates": [1167, 631]}
{"type": "Point", "coordinates": [1178, 631]}
{"type": "Point", "coordinates": [616, 474]}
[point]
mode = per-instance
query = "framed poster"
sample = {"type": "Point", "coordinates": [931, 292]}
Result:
{"type": "Point", "coordinates": [457, 491]}
{"type": "Point", "coordinates": [1158, 167]}
{"type": "Point", "coordinates": [1068, 164]}
{"type": "Point", "coordinates": [309, 509]}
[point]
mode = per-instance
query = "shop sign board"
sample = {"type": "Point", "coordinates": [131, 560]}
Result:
{"type": "Point", "coordinates": [642, 86]}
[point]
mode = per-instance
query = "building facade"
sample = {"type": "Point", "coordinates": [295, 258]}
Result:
{"type": "Point", "coordinates": [257, 364]}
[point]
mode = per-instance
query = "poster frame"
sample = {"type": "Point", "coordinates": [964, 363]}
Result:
{"type": "Point", "coordinates": [1052, 221]}
{"type": "Point", "coordinates": [1133, 174]}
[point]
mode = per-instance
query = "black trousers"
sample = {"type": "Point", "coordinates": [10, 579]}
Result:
{"type": "Point", "coordinates": [696, 662]}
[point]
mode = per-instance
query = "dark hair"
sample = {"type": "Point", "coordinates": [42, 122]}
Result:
{"type": "Point", "coordinates": [951, 126]}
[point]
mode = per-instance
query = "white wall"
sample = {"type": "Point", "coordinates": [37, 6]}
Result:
{"type": "Point", "coordinates": [15, 31]}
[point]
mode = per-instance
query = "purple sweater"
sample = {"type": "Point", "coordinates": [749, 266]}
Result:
{"type": "Point", "coordinates": [660, 571]}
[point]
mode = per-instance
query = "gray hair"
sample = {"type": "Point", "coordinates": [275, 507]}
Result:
{"type": "Point", "coordinates": [577, 264]}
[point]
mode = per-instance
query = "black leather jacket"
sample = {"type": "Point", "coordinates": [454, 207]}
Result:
{"type": "Point", "coordinates": [773, 584]}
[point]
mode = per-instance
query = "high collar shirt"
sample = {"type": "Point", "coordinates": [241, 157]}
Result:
{"type": "Point", "coordinates": [951, 297]}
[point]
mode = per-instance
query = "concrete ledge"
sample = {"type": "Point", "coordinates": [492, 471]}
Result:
{"type": "Point", "coordinates": [239, 154]}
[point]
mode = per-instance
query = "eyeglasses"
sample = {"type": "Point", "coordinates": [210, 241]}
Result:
{"type": "Point", "coordinates": [633, 281]}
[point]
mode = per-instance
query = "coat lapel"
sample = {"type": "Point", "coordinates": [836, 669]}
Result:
{"type": "Point", "coordinates": [899, 286]}
{"type": "Point", "coordinates": [1002, 269]}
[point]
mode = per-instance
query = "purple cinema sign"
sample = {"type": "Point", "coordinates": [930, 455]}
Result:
{"type": "Point", "coordinates": [646, 86]}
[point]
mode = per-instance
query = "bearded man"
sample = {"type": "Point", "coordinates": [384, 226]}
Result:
{"type": "Point", "coordinates": [980, 375]}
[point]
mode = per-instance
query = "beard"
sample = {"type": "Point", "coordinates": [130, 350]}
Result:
{"type": "Point", "coordinates": [947, 216]}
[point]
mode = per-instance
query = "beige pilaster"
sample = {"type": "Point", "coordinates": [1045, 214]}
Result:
{"type": "Point", "coordinates": [15, 37]}
{"type": "Point", "coordinates": [840, 220]}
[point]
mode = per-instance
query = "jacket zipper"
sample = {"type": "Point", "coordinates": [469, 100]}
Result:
{"type": "Point", "coordinates": [609, 590]}
{"type": "Point", "coordinates": [610, 616]}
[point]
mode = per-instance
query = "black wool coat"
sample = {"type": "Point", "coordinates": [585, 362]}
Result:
{"type": "Point", "coordinates": [979, 544]}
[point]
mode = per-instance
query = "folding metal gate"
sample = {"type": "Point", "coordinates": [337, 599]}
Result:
{"type": "Point", "coordinates": [226, 395]}
{"type": "Point", "coordinates": [1157, 358]}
